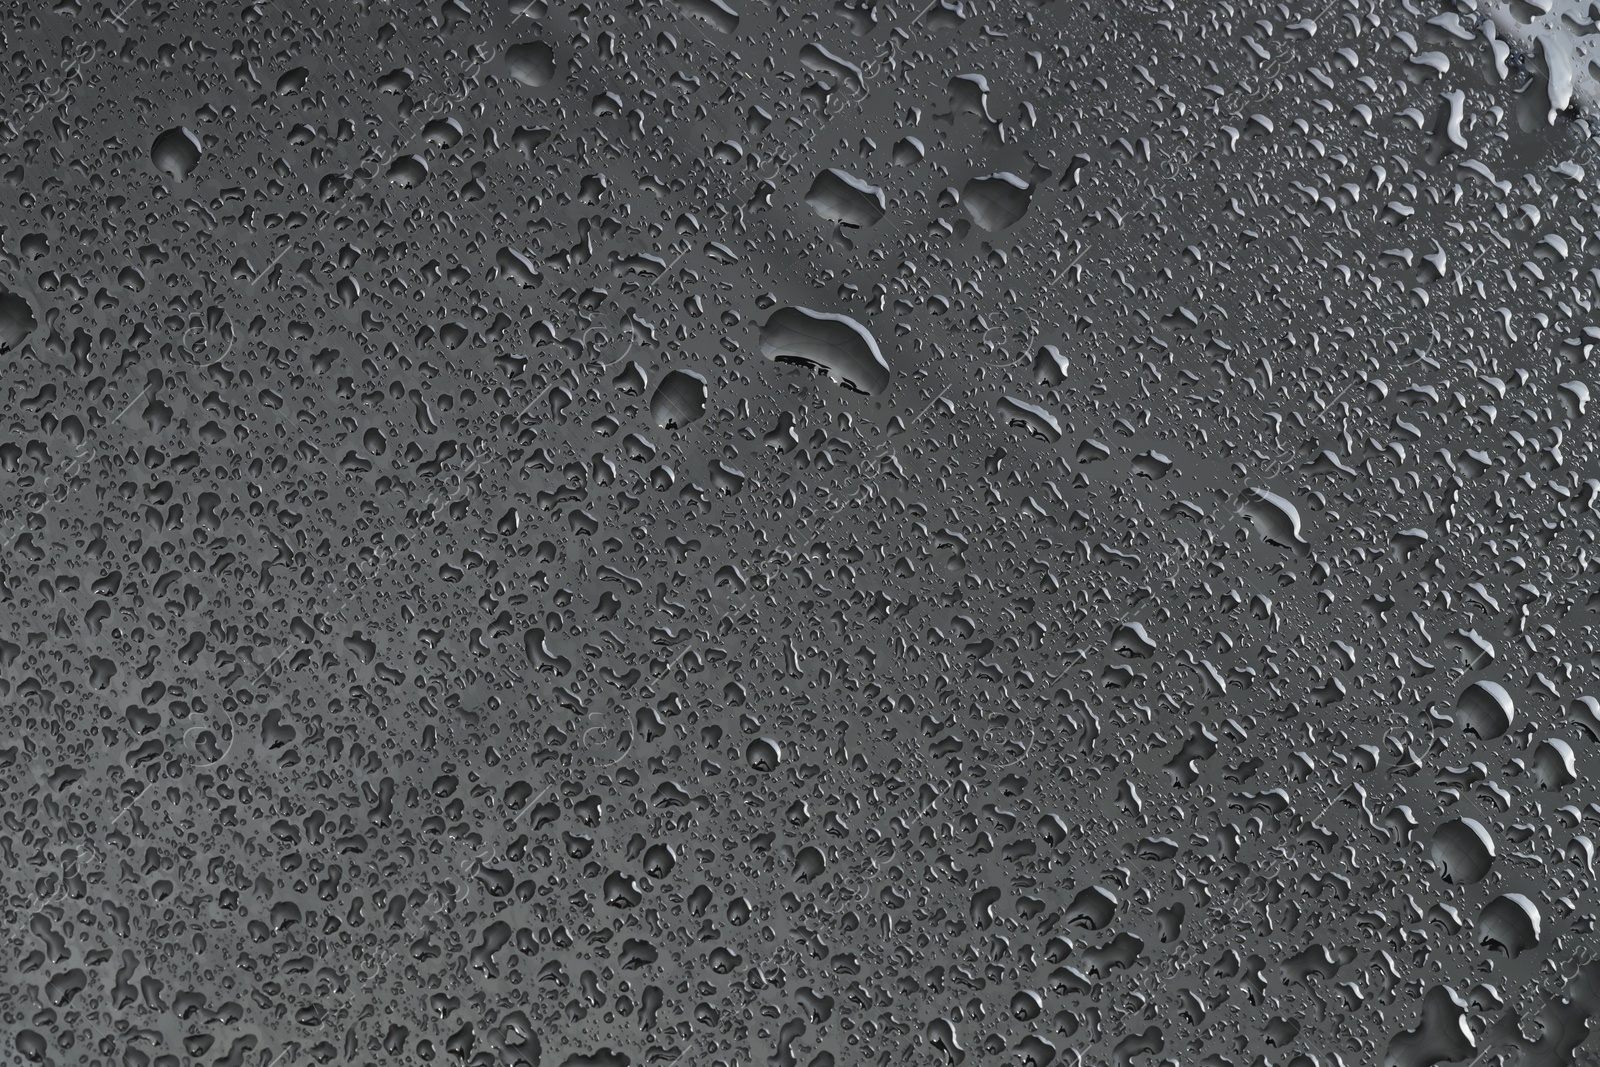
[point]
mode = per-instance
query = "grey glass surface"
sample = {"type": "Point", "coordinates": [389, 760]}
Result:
{"type": "Point", "coordinates": [725, 533]}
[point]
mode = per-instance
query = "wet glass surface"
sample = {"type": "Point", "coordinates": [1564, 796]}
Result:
{"type": "Point", "coordinates": [861, 533]}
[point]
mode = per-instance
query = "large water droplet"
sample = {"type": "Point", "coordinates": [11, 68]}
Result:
{"type": "Point", "coordinates": [835, 344]}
